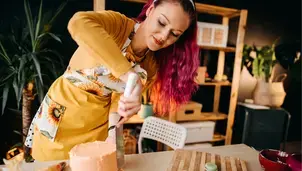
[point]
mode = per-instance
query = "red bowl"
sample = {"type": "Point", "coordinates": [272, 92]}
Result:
{"type": "Point", "coordinates": [294, 162]}
{"type": "Point", "coordinates": [273, 160]}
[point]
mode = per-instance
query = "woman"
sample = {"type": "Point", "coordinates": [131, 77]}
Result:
{"type": "Point", "coordinates": [160, 46]}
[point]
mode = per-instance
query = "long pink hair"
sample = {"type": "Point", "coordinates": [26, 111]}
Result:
{"type": "Point", "coordinates": [177, 63]}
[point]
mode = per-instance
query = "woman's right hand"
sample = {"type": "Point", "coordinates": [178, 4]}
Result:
{"type": "Point", "coordinates": [128, 106]}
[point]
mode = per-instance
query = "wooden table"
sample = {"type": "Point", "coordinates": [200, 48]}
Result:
{"type": "Point", "coordinates": [159, 161]}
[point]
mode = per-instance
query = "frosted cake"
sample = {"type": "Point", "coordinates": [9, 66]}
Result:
{"type": "Point", "coordinates": [93, 156]}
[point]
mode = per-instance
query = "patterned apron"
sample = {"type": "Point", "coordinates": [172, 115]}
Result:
{"type": "Point", "coordinates": [76, 109]}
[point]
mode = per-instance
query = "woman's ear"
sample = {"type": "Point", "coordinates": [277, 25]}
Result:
{"type": "Point", "coordinates": [149, 10]}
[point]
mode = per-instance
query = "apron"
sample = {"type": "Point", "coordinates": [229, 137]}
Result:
{"type": "Point", "coordinates": [75, 110]}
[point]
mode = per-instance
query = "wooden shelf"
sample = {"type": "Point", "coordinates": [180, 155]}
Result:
{"type": "Point", "coordinates": [223, 83]}
{"type": "Point", "coordinates": [218, 137]}
{"type": "Point", "coordinates": [135, 119]}
{"type": "Point", "coordinates": [214, 116]}
{"type": "Point", "coordinates": [225, 49]}
{"type": "Point", "coordinates": [205, 8]}
{"type": "Point", "coordinates": [217, 10]}
{"type": "Point", "coordinates": [206, 116]}
{"type": "Point", "coordinates": [136, 1]}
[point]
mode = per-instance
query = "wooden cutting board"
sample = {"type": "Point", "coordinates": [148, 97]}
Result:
{"type": "Point", "coordinates": [188, 160]}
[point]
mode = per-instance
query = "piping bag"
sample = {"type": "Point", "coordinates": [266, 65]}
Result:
{"type": "Point", "coordinates": [117, 132]}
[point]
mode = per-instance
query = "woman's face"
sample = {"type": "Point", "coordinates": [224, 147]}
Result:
{"type": "Point", "coordinates": [164, 25]}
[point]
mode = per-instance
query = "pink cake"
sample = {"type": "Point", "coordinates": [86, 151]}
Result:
{"type": "Point", "coordinates": [93, 156]}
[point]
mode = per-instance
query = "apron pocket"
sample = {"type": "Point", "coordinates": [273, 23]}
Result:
{"type": "Point", "coordinates": [48, 117]}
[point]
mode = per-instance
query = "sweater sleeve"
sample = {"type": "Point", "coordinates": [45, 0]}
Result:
{"type": "Point", "coordinates": [95, 32]}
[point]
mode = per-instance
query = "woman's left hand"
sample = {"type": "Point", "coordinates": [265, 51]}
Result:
{"type": "Point", "coordinates": [129, 106]}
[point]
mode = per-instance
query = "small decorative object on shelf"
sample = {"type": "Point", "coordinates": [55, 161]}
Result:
{"type": "Point", "coordinates": [220, 77]}
{"type": "Point", "coordinates": [201, 75]}
{"type": "Point", "coordinates": [146, 107]}
{"type": "Point", "coordinates": [145, 111]}
{"type": "Point", "coordinates": [210, 34]}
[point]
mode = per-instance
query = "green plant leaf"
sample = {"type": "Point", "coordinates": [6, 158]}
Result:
{"type": "Point", "coordinates": [255, 67]}
{"type": "Point", "coordinates": [7, 77]}
{"type": "Point", "coordinates": [19, 133]}
{"type": "Point", "coordinates": [57, 54]}
{"type": "Point", "coordinates": [4, 55]}
{"type": "Point", "coordinates": [21, 66]}
{"type": "Point", "coordinates": [5, 97]}
{"type": "Point", "coordinates": [41, 36]}
{"type": "Point", "coordinates": [37, 66]}
{"type": "Point", "coordinates": [55, 37]}
{"type": "Point", "coordinates": [40, 91]}
{"type": "Point", "coordinates": [29, 23]}
{"type": "Point", "coordinates": [59, 10]}
{"type": "Point", "coordinates": [39, 20]}
{"type": "Point", "coordinates": [16, 89]}
{"type": "Point", "coordinates": [15, 111]}
{"type": "Point", "coordinates": [25, 33]}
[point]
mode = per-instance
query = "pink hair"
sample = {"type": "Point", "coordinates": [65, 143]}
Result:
{"type": "Point", "coordinates": [178, 64]}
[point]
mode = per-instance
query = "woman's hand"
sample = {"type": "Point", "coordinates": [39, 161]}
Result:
{"type": "Point", "coordinates": [128, 106]}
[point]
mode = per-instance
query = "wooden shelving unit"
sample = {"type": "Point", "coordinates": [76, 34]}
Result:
{"type": "Point", "coordinates": [205, 116]}
{"type": "Point", "coordinates": [223, 83]}
{"type": "Point", "coordinates": [226, 14]}
{"type": "Point", "coordinates": [225, 49]}
{"type": "Point", "coordinates": [218, 137]}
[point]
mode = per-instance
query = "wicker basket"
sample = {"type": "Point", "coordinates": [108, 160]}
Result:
{"type": "Point", "coordinates": [129, 142]}
{"type": "Point", "coordinates": [270, 93]}
{"type": "Point", "coordinates": [189, 111]}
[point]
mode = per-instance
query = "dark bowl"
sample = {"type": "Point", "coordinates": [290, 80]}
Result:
{"type": "Point", "coordinates": [273, 160]}
{"type": "Point", "coordinates": [294, 162]}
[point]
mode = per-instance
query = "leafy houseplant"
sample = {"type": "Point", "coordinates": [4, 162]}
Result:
{"type": "Point", "coordinates": [29, 62]}
{"type": "Point", "coordinates": [263, 60]}
{"type": "Point", "coordinates": [146, 107]}
{"type": "Point", "coordinates": [267, 92]}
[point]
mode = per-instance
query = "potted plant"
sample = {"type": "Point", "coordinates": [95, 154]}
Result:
{"type": "Point", "coordinates": [269, 89]}
{"type": "Point", "coordinates": [28, 62]}
{"type": "Point", "coordinates": [146, 107]}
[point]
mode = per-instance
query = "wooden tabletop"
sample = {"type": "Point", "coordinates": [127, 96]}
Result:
{"type": "Point", "coordinates": [159, 161]}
